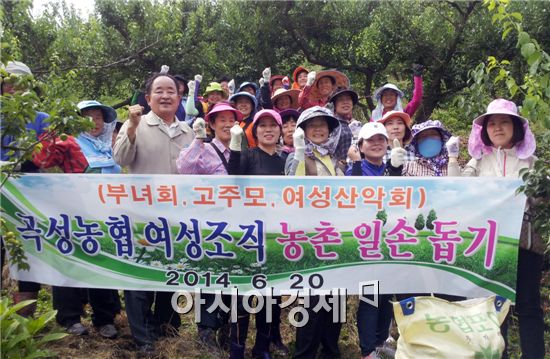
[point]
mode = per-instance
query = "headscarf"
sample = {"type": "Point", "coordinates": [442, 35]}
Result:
{"type": "Point", "coordinates": [98, 151]}
{"type": "Point", "coordinates": [438, 162]}
{"type": "Point", "coordinates": [379, 110]}
{"type": "Point", "coordinates": [326, 148]}
{"type": "Point", "coordinates": [329, 146]}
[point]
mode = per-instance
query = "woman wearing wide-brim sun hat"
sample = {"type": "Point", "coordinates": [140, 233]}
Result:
{"type": "Point", "coordinates": [320, 85]}
{"type": "Point", "coordinates": [285, 99]}
{"type": "Point", "coordinates": [276, 82]}
{"type": "Point", "coordinates": [315, 141]}
{"type": "Point", "coordinates": [299, 76]}
{"type": "Point", "coordinates": [502, 145]}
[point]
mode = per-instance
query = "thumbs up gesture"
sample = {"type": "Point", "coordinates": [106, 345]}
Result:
{"type": "Point", "coordinates": [398, 153]}
{"type": "Point", "coordinates": [353, 153]}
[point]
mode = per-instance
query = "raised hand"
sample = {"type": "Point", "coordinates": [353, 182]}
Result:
{"type": "Point", "coordinates": [236, 137]}
{"type": "Point", "coordinates": [298, 138]}
{"type": "Point", "coordinates": [453, 146]}
{"type": "Point", "coordinates": [134, 115]}
{"type": "Point", "coordinates": [266, 74]}
{"type": "Point", "coordinates": [231, 87]}
{"type": "Point", "coordinates": [397, 154]}
{"type": "Point", "coordinates": [354, 154]}
{"type": "Point", "coordinates": [311, 78]}
{"type": "Point", "coordinates": [199, 127]}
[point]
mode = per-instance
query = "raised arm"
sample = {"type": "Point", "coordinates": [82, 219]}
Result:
{"type": "Point", "coordinates": [416, 100]}
{"type": "Point", "coordinates": [125, 148]}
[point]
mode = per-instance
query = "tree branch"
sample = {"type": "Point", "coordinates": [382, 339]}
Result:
{"type": "Point", "coordinates": [312, 55]}
{"type": "Point", "coordinates": [112, 64]}
{"type": "Point", "coordinates": [448, 19]}
{"type": "Point", "coordinates": [457, 7]}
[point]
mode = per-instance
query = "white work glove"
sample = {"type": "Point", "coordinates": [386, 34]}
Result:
{"type": "Point", "coordinates": [397, 154]}
{"type": "Point", "coordinates": [453, 146]}
{"type": "Point", "coordinates": [311, 78]}
{"type": "Point", "coordinates": [266, 74]}
{"type": "Point", "coordinates": [164, 69]}
{"type": "Point", "coordinates": [198, 78]}
{"type": "Point", "coordinates": [236, 137]}
{"type": "Point", "coordinates": [231, 87]}
{"type": "Point", "coordinates": [298, 138]}
{"type": "Point", "coordinates": [192, 85]}
{"type": "Point", "coordinates": [199, 127]}
{"type": "Point", "coordinates": [286, 82]}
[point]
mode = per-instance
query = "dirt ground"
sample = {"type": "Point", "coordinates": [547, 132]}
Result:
{"type": "Point", "coordinates": [186, 344]}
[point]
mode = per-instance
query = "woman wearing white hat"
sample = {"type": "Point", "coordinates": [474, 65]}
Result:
{"type": "Point", "coordinates": [368, 160]}
{"type": "Point", "coordinates": [389, 97]}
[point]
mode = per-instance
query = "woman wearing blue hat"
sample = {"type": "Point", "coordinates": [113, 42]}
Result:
{"type": "Point", "coordinates": [246, 103]}
{"type": "Point", "coordinates": [89, 152]}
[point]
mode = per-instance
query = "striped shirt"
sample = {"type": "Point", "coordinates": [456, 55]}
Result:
{"type": "Point", "coordinates": [420, 168]}
{"type": "Point", "coordinates": [410, 156]}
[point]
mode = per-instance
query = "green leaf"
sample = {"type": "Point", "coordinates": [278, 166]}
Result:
{"type": "Point", "coordinates": [6, 333]}
{"type": "Point", "coordinates": [513, 88]}
{"type": "Point", "coordinates": [44, 353]}
{"type": "Point", "coordinates": [53, 336]}
{"type": "Point", "coordinates": [517, 16]}
{"type": "Point", "coordinates": [17, 339]}
{"type": "Point", "coordinates": [506, 31]}
{"type": "Point", "coordinates": [13, 309]}
{"type": "Point", "coordinates": [523, 38]}
{"type": "Point", "coordinates": [527, 49]}
{"type": "Point", "coordinates": [535, 57]}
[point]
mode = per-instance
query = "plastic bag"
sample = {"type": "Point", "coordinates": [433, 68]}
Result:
{"type": "Point", "coordinates": [431, 327]}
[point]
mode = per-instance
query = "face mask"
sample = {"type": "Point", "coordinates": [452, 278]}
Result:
{"type": "Point", "coordinates": [429, 147]}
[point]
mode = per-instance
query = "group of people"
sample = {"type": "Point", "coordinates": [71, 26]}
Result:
{"type": "Point", "coordinates": [303, 128]}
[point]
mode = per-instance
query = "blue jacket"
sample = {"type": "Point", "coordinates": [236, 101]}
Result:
{"type": "Point", "coordinates": [38, 125]}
